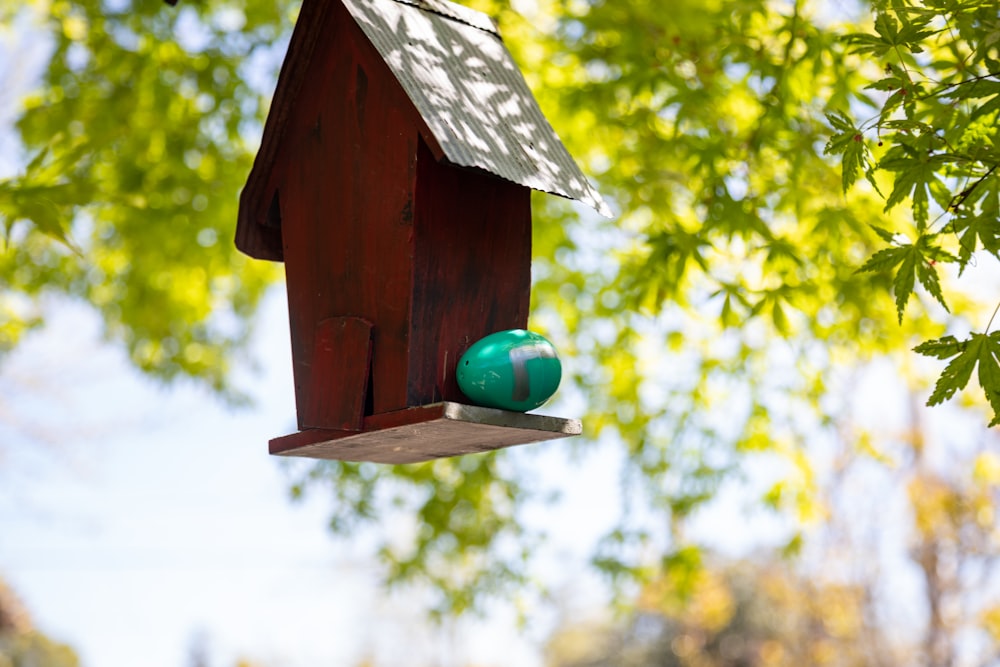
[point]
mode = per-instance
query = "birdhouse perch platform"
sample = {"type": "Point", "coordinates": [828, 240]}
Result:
{"type": "Point", "coordinates": [424, 433]}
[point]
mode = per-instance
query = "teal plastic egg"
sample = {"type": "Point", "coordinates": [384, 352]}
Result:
{"type": "Point", "coordinates": [512, 370]}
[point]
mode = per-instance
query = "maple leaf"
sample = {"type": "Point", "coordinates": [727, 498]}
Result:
{"type": "Point", "coordinates": [916, 178]}
{"type": "Point", "coordinates": [916, 261]}
{"type": "Point", "coordinates": [974, 230]}
{"type": "Point", "coordinates": [889, 36]}
{"type": "Point", "coordinates": [883, 234]}
{"type": "Point", "coordinates": [980, 350]}
{"type": "Point", "coordinates": [848, 140]}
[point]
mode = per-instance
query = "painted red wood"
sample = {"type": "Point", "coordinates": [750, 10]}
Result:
{"type": "Point", "coordinates": [254, 235]}
{"type": "Point", "coordinates": [378, 422]}
{"type": "Point", "coordinates": [300, 85]}
{"type": "Point", "coordinates": [472, 274]}
{"type": "Point", "coordinates": [373, 228]}
{"type": "Point", "coordinates": [347, 208]}
{"type": "Point", "coordinates": [341, 363]}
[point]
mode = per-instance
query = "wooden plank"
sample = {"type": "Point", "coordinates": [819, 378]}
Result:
{"type": "Point", "coordinates": [253, 236]}
{"type": "Point", "coordinates": [472, 270]}
{"type": "Point", "coordinates": [346, 209]}
{"type": "Point", "coordinates": [427, 432]}
{"type": "Point", "coordinates": [338, 382]}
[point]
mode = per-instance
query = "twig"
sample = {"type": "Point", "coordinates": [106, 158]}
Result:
{"type": "Point", "coordinates": [960, 198]}
{"type": "Point", "coordinates": [990, 323]}
{"type": "Point", "coordinates": [948, 87]}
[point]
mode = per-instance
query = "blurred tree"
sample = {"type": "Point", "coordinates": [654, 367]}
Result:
{"type": "Point", "coordinates": [138, 147]}
{"type": "Point", "coordinates": [721, 318]}
{"type": "Point", "coordinates": [198, 649]}
{"type": "Point", "coordinates": [845, 603]}
{"type": "Point", "coordinates": [21, 645]}
{"type": "Point", "coordinates": [740, 614]}
{"type": "Point", "coordinates": [945, 496]}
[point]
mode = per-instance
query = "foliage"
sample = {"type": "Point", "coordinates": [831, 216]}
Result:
{"type": "Point", "coordinates": [733, 275]}
{"type": "Point", "coordinates": [718, 320]}
{"type": "Point", "coordinates": [21, 645]}
{"type": "Point", "coordinates": [937, 99]}
{"type": "Point", "coordinates": [467, 542]}
{"type": "Point", "coordinates": [138, 150]}
{"type": "Point", "coordinates": [740, 613]}
{"type": "Point", "coordinates": [849, 599]}
{"type": "Point", "coordinates": [35, 650]}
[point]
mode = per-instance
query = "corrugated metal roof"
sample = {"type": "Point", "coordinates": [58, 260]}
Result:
{"type": "Point", "coordinates": [457, 72]}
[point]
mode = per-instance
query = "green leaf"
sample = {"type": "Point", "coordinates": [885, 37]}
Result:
{"type": "Point", "coordinates": [905, 257]}
{"type": "Point", "coordinates": [36, 162]}
{"type": "Point", "coordinates": [941, 348]}
{"type": "Point", "coordinates": [958, 371]}
{"type": "Point", "coordinates": [840, 121]}
{"type": "Point", "coordinates": [890, 36]}
{"type": "Point", "coordinates": [888, 83]}
{"type": "Point", "coordinates": [974, 230]}
{"type": "Point", "coordinates": [885, 259]}
{"type": "Point", "coordinates": [927, 274]}
{"type": "Point", "coordinates": [915, 261]}
{"type": "Point", "coordinates": [867, 44]}
{"type": "Point", "coordinates": [911, 36]}
{"type": "Point", "coordinates": [988, 107]}
{"type": "Point", "coordinates": [855, 160]}
{"type": "Point", "coordinates": [975, 89]}
{"type": "Point", "coordinates": [779, 318]}
{"type": "Point", "coordinates": [915, 178]}
{"type": "Point", "coordinates": [727, 316]}
{"type": "Point", "coordinates": [849, 141]}
{"type": "Point", "coordinates": [980, 349]}
{"type": "Point", "coordinates": [902, 284]}
{"type": "Point", "coordinates": [883, 234]}
{"type": "Point", "coordinates": [887, 28]}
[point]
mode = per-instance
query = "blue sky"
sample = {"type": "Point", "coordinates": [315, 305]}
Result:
{"type": "Point", "coordinates": [134, 517]}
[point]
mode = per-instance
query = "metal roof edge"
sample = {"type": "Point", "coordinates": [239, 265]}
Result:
{"type": "Point", "coordinates": [456, 12]}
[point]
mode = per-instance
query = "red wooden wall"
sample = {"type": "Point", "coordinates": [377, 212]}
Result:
{"type": "Point", "coordinates": [346, 209]}
{"type": "Point", "coordinates": [473, 270]}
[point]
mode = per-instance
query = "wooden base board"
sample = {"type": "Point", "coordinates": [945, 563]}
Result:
{"type": "Point", "coordinates": [424, 433]}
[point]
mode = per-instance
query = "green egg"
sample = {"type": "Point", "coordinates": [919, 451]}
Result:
{"type": "Point", "coordinates": [512, 370]}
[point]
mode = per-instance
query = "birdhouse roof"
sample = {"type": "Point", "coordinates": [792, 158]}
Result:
{"type": "Point", "coordinates": [455, 69]}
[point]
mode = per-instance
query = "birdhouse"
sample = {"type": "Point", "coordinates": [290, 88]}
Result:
{"type": "Point", "coordinates": [393, 180]}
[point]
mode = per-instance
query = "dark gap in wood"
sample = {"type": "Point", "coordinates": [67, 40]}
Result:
{"type": "Point", "coordinates": [273, 218]}
{"type": "Point", "coordinates": [370, 392]}
{"type": "Point", "coordinates": [360, 94]}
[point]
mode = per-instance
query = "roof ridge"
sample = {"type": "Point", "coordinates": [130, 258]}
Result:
{"type": "Point", "coordinates": [456, 12]}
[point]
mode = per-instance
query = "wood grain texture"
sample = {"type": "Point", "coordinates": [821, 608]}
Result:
{"type": "Point", "coordinates": [323, 32]}
{"type": "Point", "coordinates": [253, 236]}
{"type": "Point", "coordinates": [424, 433]}
{"type": "Point", "coordinates": [472, 271]}
{"type": "Point", "coordinates": [346, 209]}
{"type": "Point", "coordinates": [339, 375]}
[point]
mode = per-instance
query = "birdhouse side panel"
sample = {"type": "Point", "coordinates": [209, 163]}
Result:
{"type": "Point", "coordinates": [347, 218]}
{"type": "Point", "coordinates": [258, 230]}
{"type": "Point", "coordinates": [473, 269]}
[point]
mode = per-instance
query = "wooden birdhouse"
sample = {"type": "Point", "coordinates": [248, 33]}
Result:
{"type": "Point", "coordinates": [393, 180]}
